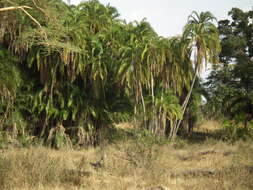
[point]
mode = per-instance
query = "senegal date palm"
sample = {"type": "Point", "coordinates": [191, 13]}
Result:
{"type": "Point", "coordinates": [84, 67]}
{"type": "Point", "coordinates": [203, 37]}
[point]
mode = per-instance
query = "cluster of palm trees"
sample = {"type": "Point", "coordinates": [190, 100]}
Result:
{"type": "Point", "coordinates": [84, 67]}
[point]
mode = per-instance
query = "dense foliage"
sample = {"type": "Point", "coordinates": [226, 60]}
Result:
{"type": "Point", "coordinates": [76, 70]}
{"type": "Point", "coordinates": [230, 85]}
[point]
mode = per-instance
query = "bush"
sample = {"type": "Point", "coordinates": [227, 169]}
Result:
{"type": "Point", "coordinates": [233, 131]}
{"type": "Point", "coordinates": [148, 139]}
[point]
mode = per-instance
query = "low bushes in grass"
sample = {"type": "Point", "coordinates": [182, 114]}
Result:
{"type": "Point", "coordinates": [233, 131]}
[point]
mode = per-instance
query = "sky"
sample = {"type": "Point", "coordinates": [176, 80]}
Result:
{"type": "Point", "coordinates": [168, 17]}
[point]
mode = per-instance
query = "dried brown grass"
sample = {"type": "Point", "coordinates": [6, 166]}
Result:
{"type": "Point", "coordinates": [130, 165]}
{"type": "Point", "coordinates": [209, 126]}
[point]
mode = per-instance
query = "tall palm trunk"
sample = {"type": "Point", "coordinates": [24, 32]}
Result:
{"type": "Point", "coordinates": [143, 105]}
{"type": "Point", "coordinates": [184, 106]}
{"type": "Point", "coordinates": [153, 122]}
{"type": "Point", "coordinates": [200, 31]}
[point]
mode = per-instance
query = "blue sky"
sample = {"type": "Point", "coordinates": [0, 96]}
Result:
{"type": "Point", "coordinates": [169, 16]}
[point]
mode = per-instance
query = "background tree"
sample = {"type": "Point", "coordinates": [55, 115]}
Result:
{"type": "Point", "coordinates": [231, 84]}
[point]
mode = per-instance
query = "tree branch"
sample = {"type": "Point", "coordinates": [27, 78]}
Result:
{"type": "Point", "coordinates": [35, 4]}
{"type": "Point", "coordinates": [31, 17]}
{"type": "Point", "coordinates": [23, 9]}
{"type": "Point", "coordinates": [14, 8]}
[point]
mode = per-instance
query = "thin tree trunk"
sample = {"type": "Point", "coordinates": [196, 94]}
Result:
{"type": "Point", "coordinates": [45, 123]}
{"type": "Point", "coordinates": [171, 129]}
{"type": "Point", "coordinates": [153, 105]}
{"type": "Point", "coordinates": [135, 113]}
{"type": "Point", "coordinates": [245, 123]}
{"type": "Point", "coordinates": [143, 105]}
{"type": "Point", "coordinates": [184, 106]}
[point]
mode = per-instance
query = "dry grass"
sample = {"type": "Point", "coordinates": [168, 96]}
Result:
{"type": "Point", "coordinates": [125, 125]}
{"type": "Point", "coordinates": [130, 165]}
{"type": "Point", "coordinates": [209, 126]}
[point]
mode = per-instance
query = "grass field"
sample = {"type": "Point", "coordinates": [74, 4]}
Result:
{"type": "Point", "coordinates": [207, 163]}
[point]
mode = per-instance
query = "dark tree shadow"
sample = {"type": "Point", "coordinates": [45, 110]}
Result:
{"type": "Point", "coordinates": [200, 137]}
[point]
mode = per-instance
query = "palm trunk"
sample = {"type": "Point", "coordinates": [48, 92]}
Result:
{"type": "Point", "coordinates": [143, 105]}
{"type": "Point", "coordinates": [184, 106]}
{"type": "Point", "coordinates": [186, 101]}
{"type": "Point", "coordinates": [171, 129]}
{"type": "Point", "coordinates": [153, 125]}
{"type": "Point", "coordinates": [44, 126]}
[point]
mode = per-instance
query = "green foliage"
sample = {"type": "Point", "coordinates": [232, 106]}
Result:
{"type": "Point", "coordinates": [195, 109]}
{"type": "Point", "coordinates": [169, 104]}
{"type": "Point", "coordinates": [230, 85]}
{"type": "Point", "coordinates": [142, 136]}
{"type": "Point", "coordinates": [147, 139]}
{"type": "Point", "coordinates": [9, 73]}
{"type": "Point", "coordinates": [57, 138]}
{"type": "Point", "coordinates": [10, 81]}
{"type": "Point", "coordinates": [84, 67]}
{"type": "Point", "coordinates": [235, 131]}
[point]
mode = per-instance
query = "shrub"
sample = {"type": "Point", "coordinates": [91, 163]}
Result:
{"type": "Point", "coordinates": [233, 131]}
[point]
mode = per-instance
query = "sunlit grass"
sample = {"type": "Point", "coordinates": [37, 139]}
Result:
{"type": "Point", "coordinates": [131, 164]}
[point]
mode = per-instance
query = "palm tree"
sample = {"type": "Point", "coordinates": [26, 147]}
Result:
{"type": "Point", "coordinates": [203, 38]}
{"type": "Point", "coordinates": [79, 56]}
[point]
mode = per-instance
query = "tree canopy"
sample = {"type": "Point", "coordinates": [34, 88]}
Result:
{"type": "Point", "coordinates": [82, 69]}
{"type": "Point", "coordinates": [231, 83]}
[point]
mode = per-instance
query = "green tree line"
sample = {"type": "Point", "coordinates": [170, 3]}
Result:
{"type": "Point", "coordinates": [82, 69]}
{"type": "Point", "coordinates": [230, 84]}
